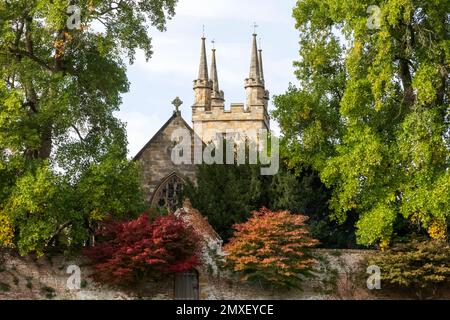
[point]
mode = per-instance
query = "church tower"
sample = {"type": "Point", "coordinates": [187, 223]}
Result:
{"type": "Point", "coordinates": [209, 116]}
{"type": "Point", "coordinates": [203, 86]}
{"type": "Point", "coordinates": [257, 96]}
{"type": "Point", "coordinates": [217, 96]}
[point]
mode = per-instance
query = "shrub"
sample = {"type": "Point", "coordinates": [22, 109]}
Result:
{"type": "Point", "coordinates": [128, 252]}
{"type": "Point", "coordinates": [271, 248]}
{"type": "Point", "coordinates": [84, 284]}
{"type": "Point", "coordinates": [420, 266]}
{"type": "Point", "coordinates": [48, 292]}
{"type": "Point", "coordinates": [226, 194]}
{"type": "Point", "coordinates": [29, 283]}
{"type": "Point", "coordinates": [4, 287]}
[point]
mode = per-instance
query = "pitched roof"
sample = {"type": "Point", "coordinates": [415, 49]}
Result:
{"type": "Point", "coordinates": [197, 221]}
{"type": "Point", "coordinates": [173, 117]}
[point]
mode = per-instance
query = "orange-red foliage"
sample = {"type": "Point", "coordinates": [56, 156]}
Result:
{"type": "Point", "coordinates": [271, 247]}
{"type": "Point", "coordinates": [130, 251]}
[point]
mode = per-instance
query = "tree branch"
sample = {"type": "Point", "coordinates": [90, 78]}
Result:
{"type": "Point", "coordinates": [19, 33]}
{"type": "Point", "coordinates": [78, 133]}
{"type": "Point", "coordinates": [28, 37]}
{"type": "Point", "coordinates": [110, 9]}
{"type": "Point", "coordinates": [31, 105]}
{"type": "Point", "coordinates": [57, 232]}
{"type": "Point", "coordinates": [23, 53]}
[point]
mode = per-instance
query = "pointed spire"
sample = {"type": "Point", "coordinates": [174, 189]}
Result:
{"type": "Point", "coordinates": [213, 77]}
{"type": "Point", "coordinates": [261, 69]}
{"type": "Point", "coordinates": [254, 64]}
{"type": "Point", "coordinates": [203, 70]}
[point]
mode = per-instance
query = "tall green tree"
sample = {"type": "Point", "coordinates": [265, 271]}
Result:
{"type": "Point", "coordinates": [63, 159]}
{"type": "Point", "coordinates": [371, 111]}
{"type": "Point", "coordinates": [227, 194]}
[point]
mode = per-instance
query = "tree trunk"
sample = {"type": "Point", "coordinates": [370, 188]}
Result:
{"type": "Point", "coordinates": [408, 91]}
{"type": "Point", "coordinates": [46, 144]}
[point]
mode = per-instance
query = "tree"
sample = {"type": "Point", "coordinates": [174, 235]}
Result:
{"type": "Point", "coordinates": [226, 194]}
{"type": "Point", "coordinates": [314, 204]}
{"type": "Point", "coordinates": [45, 208]}
{"type": "Point", "coordinates": [370, 113]}
{"type": "Point", "coordinates": [272, 248]}
{"type": "Point", "coordinates": [422, 266]}
{"type": "Point", "coordinates": [128, 252]}
{"type": "Point", "coordinates": [63, 163]}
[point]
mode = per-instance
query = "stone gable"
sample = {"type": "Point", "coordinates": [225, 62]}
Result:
{"type": "Point", "coordinates": [155, 158]}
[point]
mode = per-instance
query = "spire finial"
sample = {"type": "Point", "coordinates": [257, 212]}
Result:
{"type": "Point", "coordinates": [214, 44]}
{"type": "Point", "coordinates": [203, 69]}
{"type": "Point", "coordinates": [254, 63]}
{"type": "Point", "coordinates": [254, 27]}
{"type": "Point", "coordinates": [203, 32]}
{"type": "Point", "coordinates": [214, 78]}
{"type": "Point", "coordinates": [177, 103]}
{"type": "Point", "coordinates": [261, 69]}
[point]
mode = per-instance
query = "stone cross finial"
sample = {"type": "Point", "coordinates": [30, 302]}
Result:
{"type": "Point", "coordinates": [177, 103]}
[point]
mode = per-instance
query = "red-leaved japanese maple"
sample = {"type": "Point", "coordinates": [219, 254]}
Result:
{"type": "Point", "coordinates": [128, 252]}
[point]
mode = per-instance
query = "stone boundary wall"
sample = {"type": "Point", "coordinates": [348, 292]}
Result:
{"type": "Point", "coordinates": [340, 274]}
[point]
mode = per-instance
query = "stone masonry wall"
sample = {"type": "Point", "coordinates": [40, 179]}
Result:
{"type": "Point", "coordinates": [208, 123]}
{"type": "Point", "coordinates": [156, 161]}
{"type": "Point", "coordinates": [340, 274]}
{"type": "Point", "coordinates": [43, 278]}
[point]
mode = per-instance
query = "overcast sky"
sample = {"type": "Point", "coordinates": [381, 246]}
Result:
{"type": "Point", "coordinates": [174, 65]}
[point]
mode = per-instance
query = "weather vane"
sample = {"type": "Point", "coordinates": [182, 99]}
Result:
{"type": "Point", "coordinates": [203, 31]}
{"type": "Point", "coordinates": [177, 103]}
{"type": "Point", "coordinates": [214, 43]}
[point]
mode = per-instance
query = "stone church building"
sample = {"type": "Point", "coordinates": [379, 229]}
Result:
{"type": "Point", "coordinates": [162, 179]}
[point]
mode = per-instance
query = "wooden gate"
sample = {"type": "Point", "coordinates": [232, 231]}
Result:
{"type": "Point", "coordinates": [186, 286]}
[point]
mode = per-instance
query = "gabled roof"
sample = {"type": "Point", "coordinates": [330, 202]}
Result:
{"type": "Point", "coordinates": [173, 117]}
{"type": "Point", "coordinates": [197, 221]}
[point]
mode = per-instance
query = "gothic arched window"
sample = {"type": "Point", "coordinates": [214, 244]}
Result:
{"type": "Point", "coordinates": [168, 195]}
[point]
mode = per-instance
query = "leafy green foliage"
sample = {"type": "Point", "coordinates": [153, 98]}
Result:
{"type": "Point", "coordinates": [63, 163]}
{"type": "Point", "coordinates": [371, 112]}
{"type": "Point", "coordinates": [422, 266]}
{"type": "Point", "coordinates": [4, 287]}
{"type": "Point", "coordinates": [226, 194]}
{"type": "Point", "coordinates": [45, 208]}
{"type": "Point", "coordinates": [48, 292]}
{"type": "Point", "coordinates": [312, 200]}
